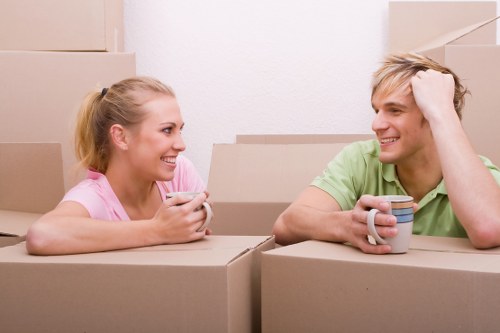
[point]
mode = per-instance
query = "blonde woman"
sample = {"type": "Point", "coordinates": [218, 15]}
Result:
{"type": "Point", "coordinates": [129, 137]}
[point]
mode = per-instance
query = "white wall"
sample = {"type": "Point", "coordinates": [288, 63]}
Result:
{"type": "Point", "coordinates": [260, 66]}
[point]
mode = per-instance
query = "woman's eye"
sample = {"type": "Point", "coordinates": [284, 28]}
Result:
{"type": "Point", "coordinates": [167, 130]}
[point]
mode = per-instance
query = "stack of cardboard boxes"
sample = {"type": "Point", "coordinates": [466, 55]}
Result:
{"type": "Point", "coordinates": [52, 53]}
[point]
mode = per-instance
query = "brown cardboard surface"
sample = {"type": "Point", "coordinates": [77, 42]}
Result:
{"type": "Point", "coordinates": [14, 225]}
{"type": "Point", "coordinates": [440, 285]}
{"type": "Point", "coordinates": [479, 66]}
{"type": "Point", "coordinates": [251, 184]}
{"type": "Point", "coordinates": [40, 93]}
{"type": "Point", "coordinates": [301, 138]}
{"type": "Point", "coordinates": [212, 285]}
{"type": "Point", "coordinates": [415, 23]}
{"type": "Point", "coordinates": [31, 176]}
{"type": "Point", "coordinates": [61, 25]}
{"type": "Point", "coordinates": [465, 42]}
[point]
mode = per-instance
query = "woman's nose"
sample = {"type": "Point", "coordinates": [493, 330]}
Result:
{"type": "Point", "coordinates": [179, 143]}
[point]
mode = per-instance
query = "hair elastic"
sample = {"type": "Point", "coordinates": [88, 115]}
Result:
{"type": "Point", "coordinates": [104, 91]}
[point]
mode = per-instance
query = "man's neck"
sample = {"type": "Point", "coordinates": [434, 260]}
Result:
{"type": "Point", "coordinates": [418, 180]}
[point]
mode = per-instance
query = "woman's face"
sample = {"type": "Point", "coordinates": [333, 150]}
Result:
{"type": "Point", "coordinates": [155, 143]}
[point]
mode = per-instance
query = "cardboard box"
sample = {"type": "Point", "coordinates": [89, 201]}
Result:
{"type": "Point", "coordinates": [212, 285]}
{"type": "Point", "coordinates": [415, 23]}
{"type": "Point", "coordinates": [470, 51]}
{"type": "Point", "coordinates": [479, 65]}
{"type": "Point", "coordinates": [14, 226]}
{"type": "Point", "coordinates": [301, 138]}
{"type": "Point", "coordinates": [61, 25]}
{"type": "Point", "coordinates": [31, 176]}
{"type": "Point", "coordinates": [440, 285]}
{"type": "Point", "coordinates": [250, 185]}
{"type": "Point", "coordinates": [40, 93]}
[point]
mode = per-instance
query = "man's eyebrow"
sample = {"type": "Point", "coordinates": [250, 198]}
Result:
{"type": "Point", "coordinates": [392, 104]}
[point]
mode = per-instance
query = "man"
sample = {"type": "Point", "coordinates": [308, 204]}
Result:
{"type": "Point", "coordinates": [421, 150]}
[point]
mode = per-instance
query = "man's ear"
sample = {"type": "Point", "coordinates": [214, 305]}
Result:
{"type": "Point", "coordinates": [119, 136]}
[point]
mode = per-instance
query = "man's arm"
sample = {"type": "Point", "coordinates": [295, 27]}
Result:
{"type": "Point", "coordinates": [316, 215]}
{"type": "Point", "coordinates": [473, 192]}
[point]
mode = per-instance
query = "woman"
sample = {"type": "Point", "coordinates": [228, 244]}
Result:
{"type": "Point", "coordinates": [129, 138]}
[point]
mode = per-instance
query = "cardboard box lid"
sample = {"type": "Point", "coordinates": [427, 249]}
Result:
{"type": "Point", "coordinates": [425, 251]}
{"type": "Point", "coordinates": [61, 25]}
{"type": "Point", "coordinates": [31, 175]}
{"type": "Point", "coordinates": [16, 223]}
{"type": "Point", "coordinates": [266, 172]}
{"type": "Point", "coordinates": [415, 23]}
{"type": "Point", "coordinates": [213, 251]}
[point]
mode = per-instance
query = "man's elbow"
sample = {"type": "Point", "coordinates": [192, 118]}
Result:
{"type": "Point", "coordinates": [280, 230]}
{"type": "Point", "coordinates": [486, 237]}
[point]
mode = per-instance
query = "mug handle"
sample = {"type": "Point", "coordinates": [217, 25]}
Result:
{"type": "Point", "coordinates": [208, 219]}
{"type": "Point", "coordinates": [370, 221]}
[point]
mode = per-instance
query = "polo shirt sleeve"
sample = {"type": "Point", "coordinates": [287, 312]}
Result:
{"type": "Point", "coordinates": [344, 176]}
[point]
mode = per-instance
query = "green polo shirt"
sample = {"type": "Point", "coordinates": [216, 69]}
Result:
{"type": "Point", "coordinates": [356, 170]}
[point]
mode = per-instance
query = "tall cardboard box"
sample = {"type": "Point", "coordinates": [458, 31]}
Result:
{"type": "Point", "coordinates": [440, 285]}
{"type": "Point", "coordinates": [250, 185]}
{"type": "Point", "coordinates": [467, 45]}
{"type": "Point", "coordinates": [212, 285]}
{"type": "Point", "coordinates": [61, 25]}
{"type": "Point", "coordinates": [40, 93]}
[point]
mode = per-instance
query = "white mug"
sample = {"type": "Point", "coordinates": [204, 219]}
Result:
{"type": "Point", "coordinates": [402, 208]}
{"type": "Point", "coordinates": [205, 205]}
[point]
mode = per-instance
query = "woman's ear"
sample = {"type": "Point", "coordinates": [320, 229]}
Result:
{"type": "Point", "coordinates": [119, 137]}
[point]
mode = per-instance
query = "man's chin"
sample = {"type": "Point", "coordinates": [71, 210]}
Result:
{"type": "Point", "coordinates": [385, 159]}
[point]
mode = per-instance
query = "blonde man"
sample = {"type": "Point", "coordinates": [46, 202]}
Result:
{"type": "Point", "coordinates": [421, 150]}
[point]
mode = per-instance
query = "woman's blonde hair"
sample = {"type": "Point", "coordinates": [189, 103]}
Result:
{"type": "Point", "coordinates": [119, 104]}
{"type": "Point", "coordinates": [398, 69]}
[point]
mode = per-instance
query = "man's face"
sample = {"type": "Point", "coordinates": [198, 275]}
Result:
{"type": "Point", "coordinates": [403, 133]}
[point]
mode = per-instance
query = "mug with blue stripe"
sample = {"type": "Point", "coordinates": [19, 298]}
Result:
{"type": "Point", "coordinates": [402, 209]}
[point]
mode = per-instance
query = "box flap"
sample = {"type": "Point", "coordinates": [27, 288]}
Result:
{"type": "Point", "coordinates": [430, 252]}
{"type": "Point", "coordinates": [16, 223]}
{"type": "Point", "coordinates": [415, 23]}
{"type": "Point", "coordinates": [453, 36]}
{"type": "Point", "coordinates": [266, 172]}
{"type": "Point", "coordinates": [210, 251]}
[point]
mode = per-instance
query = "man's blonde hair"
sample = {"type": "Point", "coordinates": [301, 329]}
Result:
{"type": "Point", "coordinates": [397, 70]}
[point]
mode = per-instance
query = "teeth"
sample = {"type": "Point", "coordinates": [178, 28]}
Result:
{"type": "Point", "coordinates": [168, 159]}
{"type": "Point", "coordinates": [388, 140]}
